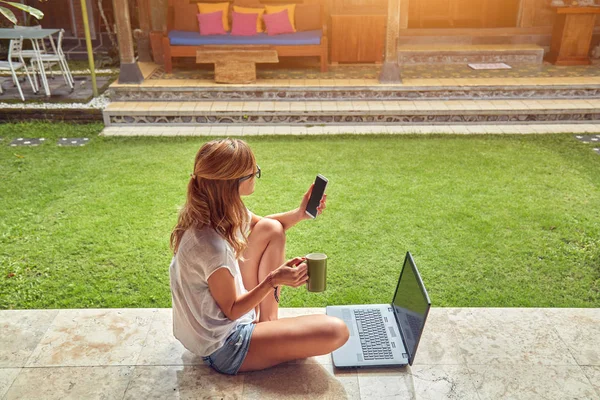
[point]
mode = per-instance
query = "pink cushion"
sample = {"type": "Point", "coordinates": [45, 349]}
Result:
{"type": "Point", "coordinates": [278, 23]}
{"type": "Point", "coordinates": [243, 24]}
{"type": "Point", "coordinates": [211, 23]}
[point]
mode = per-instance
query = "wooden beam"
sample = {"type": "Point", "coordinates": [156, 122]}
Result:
{"type": "Point", "coordinates": [142, 35]}
{"type": "Point", "coordinates": [404, 4]}
{"type": "Point", "coordinates": [158, 15]}
{"type": "Point", "coordinates": [390, 70]}
{"type": "Point", "coordinates": [129, 70]}
{"type": "Point", "coordinates": [526, 13]}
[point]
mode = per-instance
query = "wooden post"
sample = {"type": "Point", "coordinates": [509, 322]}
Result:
{"type": "Point", "coordinates": [526, 13]}
{"type": "Point", "coordinates": [129, 71]}
{"type": "Point", "coordinates": [142, 35]}
{"type": "Point", "coordinates": [390, 70]}
{"type": "Point", "coordinates": [158, 15]}
{"type": "Point", "coordinates": [404, 14]}
{"type": "Point", "coordinates": [535, 13]}
{"type": "Point", "coordinates": [158, 24]}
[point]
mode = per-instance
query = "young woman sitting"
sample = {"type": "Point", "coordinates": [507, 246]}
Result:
{"type": "Point", "coordinates": [229, 266]}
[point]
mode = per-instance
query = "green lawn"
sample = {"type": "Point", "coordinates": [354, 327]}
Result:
{"type": "Point", "coordinates": [491, 220]}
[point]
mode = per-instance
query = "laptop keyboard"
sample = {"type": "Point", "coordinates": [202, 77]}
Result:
{"type": "Point", "coordinates": [373, 336]}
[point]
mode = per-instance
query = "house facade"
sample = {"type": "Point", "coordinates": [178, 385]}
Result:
{"type": "Point", "coordinates": [357, 29]}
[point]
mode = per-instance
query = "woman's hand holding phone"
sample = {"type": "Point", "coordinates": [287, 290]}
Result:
{"type": "Point", "coordinates": [308, 202]}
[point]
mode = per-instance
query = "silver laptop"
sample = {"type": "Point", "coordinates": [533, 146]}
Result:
{"type": "Point", "coordinates": [385, 334]}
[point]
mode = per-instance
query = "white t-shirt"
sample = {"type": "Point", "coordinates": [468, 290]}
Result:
{"type": "Point", "coordinates": [198, 322]}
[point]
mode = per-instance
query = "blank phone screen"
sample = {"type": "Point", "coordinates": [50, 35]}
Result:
{"type": "Point", "coordinates": [316, 195]}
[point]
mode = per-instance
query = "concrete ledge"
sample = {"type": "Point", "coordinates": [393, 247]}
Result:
{"type": "Point", "coordinates": [474, 112]}
{"type": "Point", "coordinates": [233, 130]}
{"type": "Point", "coordinates": [464, 353]}
{"type": "Point", "coordinates": [82, 116]}
{"type": "Point", "coordinates": [432, 89]}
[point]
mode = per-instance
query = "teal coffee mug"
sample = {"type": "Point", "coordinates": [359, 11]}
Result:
{"type": "Point", "coordinates": [317, 272]}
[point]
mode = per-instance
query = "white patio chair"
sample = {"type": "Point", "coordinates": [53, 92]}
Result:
{"type": "Point", "coordinates": [56, 56]}
{"type": "Point", "coordinates": [28, 54]}
{"type": "Point", "coordinates": [41, 42]}
{"type": "Point", "coordinates": [15, 47]}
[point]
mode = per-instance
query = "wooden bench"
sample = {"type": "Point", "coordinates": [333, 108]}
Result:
{"type": "Point", "coordinates": [182, 16]}
{"type": "Point", "coordinates": [235, 64]}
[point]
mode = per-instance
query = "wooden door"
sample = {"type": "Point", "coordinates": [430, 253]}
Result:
{"type": "Point", "coordinates": [434, 13]}
{"type": "Point", "coordinates": [371, 31]}
{"type": "Point", "coordinates": [502, 13]}
{"type": "Point", "coordinates": [468, 13]}
{"type": "Point", "coordinates": [462, 13]}
{"type": "Point", "coordinates": [355, 7]}
{"type": "Point", "coordinates": [357, 38]}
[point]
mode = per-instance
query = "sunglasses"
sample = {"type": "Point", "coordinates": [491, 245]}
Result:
{"type": "Point", "coordinates": [257, 174]}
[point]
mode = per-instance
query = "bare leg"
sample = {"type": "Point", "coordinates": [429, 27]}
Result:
{"type": "Point", "coordinates": [274, 342]}
{"type": "Point", "coordinates": [265, 252]}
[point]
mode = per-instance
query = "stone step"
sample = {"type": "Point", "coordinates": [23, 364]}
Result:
{"type": "Point", "coordinates": [363, 90]}
{"type": "Point", "coordinates": [352, 112]}
{"type": "Point", "coordinates": [411, 54]}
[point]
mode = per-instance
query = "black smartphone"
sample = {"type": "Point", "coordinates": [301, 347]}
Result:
{"type": "Point", "coordinates": [315, 197]}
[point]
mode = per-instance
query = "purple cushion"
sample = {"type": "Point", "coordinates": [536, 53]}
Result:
{"type": "Point", "coordinates": [181, 38]}
{"type": "Point", "coordinates": [211, 23]}
{"type": "Point", "coordinates": [278, 23]}
{"type": "Point", "coordinates": [243, 24]}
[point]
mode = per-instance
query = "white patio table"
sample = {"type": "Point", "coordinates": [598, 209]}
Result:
{"type": "Point", "coordinates": [32, 35]}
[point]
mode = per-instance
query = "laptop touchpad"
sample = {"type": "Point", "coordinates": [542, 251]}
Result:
{"type": "Point", "coordinates": [347, 317]}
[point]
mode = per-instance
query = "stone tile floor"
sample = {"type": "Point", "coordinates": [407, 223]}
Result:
{"type": "Point", "coordinates": [366, 75]}
{"type": "Point", "coordinates": [206, 82]}
{"type": "Point", "coordinates": [309, 68]}
{"type": "Point", "coordinates": [194, 107]}
{"type": "Point", "coordinates": [60, 91]}
{"type": "Point", "coordinates": [465, 353]}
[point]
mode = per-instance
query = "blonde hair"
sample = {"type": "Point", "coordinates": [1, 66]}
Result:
{"type": "Point", "coordinates": [213, 197]}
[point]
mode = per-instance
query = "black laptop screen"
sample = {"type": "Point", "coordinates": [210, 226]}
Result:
{"type": "Point", "coordinates": [411, 305]}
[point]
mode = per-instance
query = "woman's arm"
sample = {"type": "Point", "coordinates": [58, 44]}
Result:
{"type": "Point", "coordinates": [288, 219]}
{"type": "Point", "coordinates": [291, 218]}
{"type": "Point", "coordinates": [222, 287]}
{"type": "Point", "coordinates": [254, 220]}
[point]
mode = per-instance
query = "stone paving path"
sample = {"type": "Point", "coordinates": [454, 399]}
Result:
{"type": "Point", "coordinates": [465, 353]}
{"type": "Point", "coordinates": [33, 142]}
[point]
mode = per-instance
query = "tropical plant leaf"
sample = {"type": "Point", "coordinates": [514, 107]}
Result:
{"type": "Point", "coordinates": [8, 14]}
{"type": "Point", "coordinates": [28, 9]}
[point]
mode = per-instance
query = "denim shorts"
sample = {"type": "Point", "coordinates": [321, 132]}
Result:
{"type": "Point", "coordinates": [229, 358]}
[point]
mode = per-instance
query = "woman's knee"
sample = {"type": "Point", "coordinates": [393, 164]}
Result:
{"type": "Point", "coordinates": [341, 334]}
{"type": "Point", "coordinates": [335, 331]}
{"type": "Point", "coordinates": [271, 228]}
